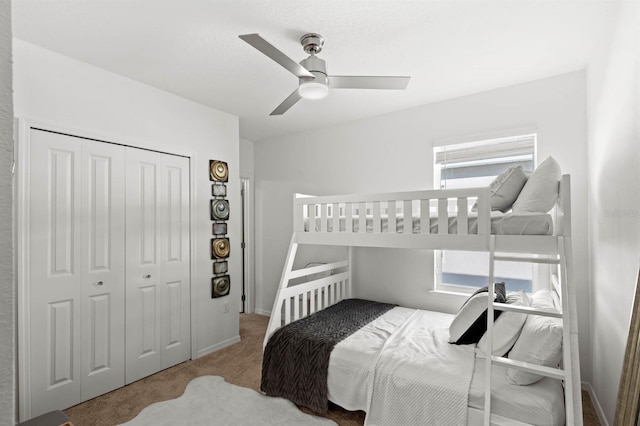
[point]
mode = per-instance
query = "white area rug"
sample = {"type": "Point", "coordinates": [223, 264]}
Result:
{"type": "Point", "coordinates": [209, 400]}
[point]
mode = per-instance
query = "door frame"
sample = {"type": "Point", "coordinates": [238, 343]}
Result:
{"type": "Point", "coordinates": [22, 151]}
{"type": "Point", "coordinates": [246, 185]}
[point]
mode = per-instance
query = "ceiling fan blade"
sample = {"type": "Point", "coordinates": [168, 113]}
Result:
{"type": "Point", "coordinates": [368, 82]}
{"type": "Point", "coordinates": [287, 103]}
{"type": "Point", "coordinates": [268, 49]}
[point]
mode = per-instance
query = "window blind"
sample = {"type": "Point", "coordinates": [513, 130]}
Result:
{"type": "Point", "coordinates": [520, 146]}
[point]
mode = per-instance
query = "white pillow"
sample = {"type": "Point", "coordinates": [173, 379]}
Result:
{"type": "Point", "coordinates": [505, 188]}
{"type": "Point", "coordinates": [540, 341]}
{"type": "Point", "coordinates": [507, 327]}
{"type": "Point", "coordinates": [540, 192]}
{"type": "Point", "coordinates": [543, 299]}
{"type": "Point", "coordinates": [470, 322]}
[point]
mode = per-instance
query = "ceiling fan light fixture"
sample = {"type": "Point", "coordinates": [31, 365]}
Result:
{"type": "Point", "coordinates": [313, 90]}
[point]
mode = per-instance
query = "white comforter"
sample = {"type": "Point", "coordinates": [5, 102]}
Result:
{"type": "Point", "coordinates": [414, 377]}
{"type": "Point", "coordinates": [352, 375]}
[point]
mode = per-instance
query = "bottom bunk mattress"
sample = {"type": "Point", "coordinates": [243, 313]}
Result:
{"type": "Point", "coordinates": [400, 369]}
{"type": "Point", "coordinates": [352, 371]}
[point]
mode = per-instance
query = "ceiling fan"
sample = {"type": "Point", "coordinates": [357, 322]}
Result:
{"type": "Point", "coordinates": [314, 82]}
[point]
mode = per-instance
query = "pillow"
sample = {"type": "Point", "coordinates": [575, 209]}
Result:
{"type": "Point", "coordinates": [470, 322]}
{"type": "Point", "coordinates": [540, 192]}
{"type": "Point", "coordinates": [540, 341]}
{"type": "Point", "coordinates": [507, 327]}
{"type": "Point", "coordinates": [543, 299]}
{"type": "Point", "coordinates": [505, 189]}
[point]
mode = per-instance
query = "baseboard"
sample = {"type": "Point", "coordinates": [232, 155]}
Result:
{"type": "Point", "coordinates": [263, 312]}
{"type": "Point", "coordinates": [217, 346]}
{"type": "Point", "coordinates": [596, 404]}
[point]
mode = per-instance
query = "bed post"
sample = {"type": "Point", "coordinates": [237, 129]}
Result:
{"type": "Point", "coordinates": [350, 283]}
{"type": "Point", "coordinates": [276, 317]}
{"type": "Point", "coordinates": [571, 354]}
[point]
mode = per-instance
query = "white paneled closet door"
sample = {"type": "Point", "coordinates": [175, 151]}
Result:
{"type": "Point", "coordinates": [103, 279]}
{"type": "Point", "coordinates": [157, 266]}
{"type": "Point", "coordinates": [76, 270]}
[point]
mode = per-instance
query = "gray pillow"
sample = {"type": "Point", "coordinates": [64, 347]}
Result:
{"type": "Point", "coordinates": [505, 189]}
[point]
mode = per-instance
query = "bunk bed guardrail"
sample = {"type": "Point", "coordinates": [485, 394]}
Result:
{"type": "Point", "coordinates": [426, 212]}
{"type": "Point", "coordinates": [429, 219]}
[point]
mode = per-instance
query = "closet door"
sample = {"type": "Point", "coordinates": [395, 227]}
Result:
{"type": "Point", "coordinates": [76, 269]}
{"type": "Point", "coordinates": [157, 244]}
{"type": "Point", "coordinates": [55, 271]}
{"type": "Point", "coordinates": [103, 272]}
{"type": "Point", "coordinates": [175, 253]}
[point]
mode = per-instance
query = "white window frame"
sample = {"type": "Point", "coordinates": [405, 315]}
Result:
{"type": "Point", "coordinates": [480, 146]}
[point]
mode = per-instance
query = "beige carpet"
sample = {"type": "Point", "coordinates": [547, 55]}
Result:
{"type": "Point", "coordinates": [239, 364]}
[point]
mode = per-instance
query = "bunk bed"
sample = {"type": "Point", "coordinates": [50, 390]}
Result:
{"type": "Point", "coordinates": [435, 219]}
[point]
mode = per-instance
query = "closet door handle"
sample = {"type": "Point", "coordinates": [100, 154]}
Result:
{"type": "Point", "coordinates": [98, 284]}
{"type": "Point", "coordinates": [146, 277]}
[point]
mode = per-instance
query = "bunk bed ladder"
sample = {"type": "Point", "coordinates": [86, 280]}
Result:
{"type": "Point", "coordinates": [570, 371]}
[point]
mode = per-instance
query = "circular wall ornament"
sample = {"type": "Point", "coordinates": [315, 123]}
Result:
{"type": "Point", "coordinates": [221, 286]}
{"type": "Point", "coordinates": [220, 248]}
{"type": "Point", "coordinates": [218, 171]}
{"type": "Point", "coordinates": [219, 210]}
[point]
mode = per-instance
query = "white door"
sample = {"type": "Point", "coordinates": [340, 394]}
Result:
{"type": "Point", "coordinates": [103, 272]}
{"type": "Point", "coordinates": [175, 251]}
{"type": "Point", "coordinates": [157, 265]}
{"type": "Point", "coordinates": [76, 270]}
{"type": "Point", "coordinates": [55, 274]}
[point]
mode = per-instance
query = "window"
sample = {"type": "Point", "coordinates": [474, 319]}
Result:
{"type": "Point", "coordinates": [475, 164]}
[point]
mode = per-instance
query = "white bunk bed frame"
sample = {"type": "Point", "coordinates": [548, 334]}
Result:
{"type": "Point", "coordinates": [315, 216]}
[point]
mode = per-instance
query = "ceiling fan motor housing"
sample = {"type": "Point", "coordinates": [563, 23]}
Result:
{"type": "Point", "coordinates": [317, 67]}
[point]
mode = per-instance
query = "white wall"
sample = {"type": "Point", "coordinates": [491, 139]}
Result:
{"type": "Point", "coordinates": [393, 152]}
{"type": "Point", "coordinates": [7, 298]}
{"type": "Point", "coordinates": [614, 198]}
{"type": "Point", "coordinates": [57, 89]}
{"type": "Point", "coordinates": [247, 159]}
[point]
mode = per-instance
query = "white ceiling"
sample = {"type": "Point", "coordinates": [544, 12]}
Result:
{"type": "Point", "coordinates": [191, 48]}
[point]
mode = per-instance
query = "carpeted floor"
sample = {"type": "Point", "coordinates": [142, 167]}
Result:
{"type": "Point", "coordinates": [239, 364]}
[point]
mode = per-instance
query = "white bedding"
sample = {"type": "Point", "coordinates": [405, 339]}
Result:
{"type": "Point", "coordinates": [353, 361]}
{"type": "Point", "coordinates": [419, 378]}
{"type": "Point", "coordinates": [501, 224]}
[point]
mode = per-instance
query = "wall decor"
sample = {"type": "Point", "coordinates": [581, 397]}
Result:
{"type": "Point", "coordinates": [218, 190]}
{"type": "Point", "coordinates": [219, 229]}
{"type": "Point", "coordinates": [220, 267]}
{"type": "Point", "coordinates": [220, 286]}
{"type": "Point", "coordinates": [219, 209]}
{"type": "Point", "coordinates": [218, 171]}
{"type": "Point", "coordinates": [220, 248]}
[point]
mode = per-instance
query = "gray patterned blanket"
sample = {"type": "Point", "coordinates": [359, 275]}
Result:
{"type": "Point", "coordinates": [296, 358]}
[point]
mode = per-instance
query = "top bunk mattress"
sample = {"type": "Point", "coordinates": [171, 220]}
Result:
{"type": "Point", "coordinates": [501, 224]}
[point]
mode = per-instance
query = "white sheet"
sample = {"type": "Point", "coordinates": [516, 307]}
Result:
{"type": "Point", "coordinates": [541, 403]}
{"type": "Point", "coordinates": [421, 379]}
{"type": "Point", "coordinates": [353, 360]}
{"type": "Point", "coordinates": [501, 224]}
